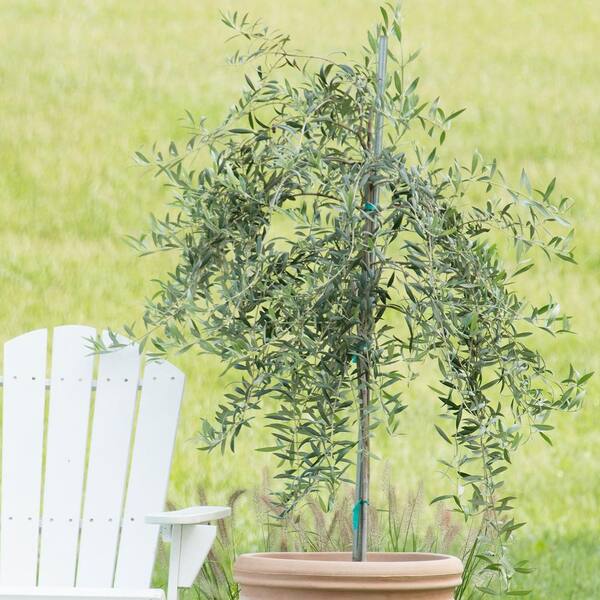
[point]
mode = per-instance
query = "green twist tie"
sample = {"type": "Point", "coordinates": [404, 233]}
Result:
{"type": "Point", "coordinates": [361, 348]}
{"type": "Point", "coordinates": [356, 513]}
{"type": "Point", "coordinates": [368, 207]}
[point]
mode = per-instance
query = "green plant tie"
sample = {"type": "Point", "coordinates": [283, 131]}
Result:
{"type": "Point", "coordinates": [361, 348]}
{"type": "Point", "coordinates": [369, 207]}
{"type": "Point", "coordinates": [356, 513]}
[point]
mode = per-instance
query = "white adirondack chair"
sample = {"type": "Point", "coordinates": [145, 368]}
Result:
{"type": "Point", "coordinates": [85, 473]}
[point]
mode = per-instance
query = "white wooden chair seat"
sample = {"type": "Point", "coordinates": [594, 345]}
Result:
{"type": "Point", "coordinates": [85, 469]}
{"type": "Point", "coordinates": [73, 593]}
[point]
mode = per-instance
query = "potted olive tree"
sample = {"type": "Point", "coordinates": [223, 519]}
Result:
{"type": "Point", "coordinates": [327, 255]}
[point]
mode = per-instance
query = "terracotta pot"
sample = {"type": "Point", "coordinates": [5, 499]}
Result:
{"type": "Point", "coordinates": [333, 576]}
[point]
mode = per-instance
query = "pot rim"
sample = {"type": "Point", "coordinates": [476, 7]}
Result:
{"type": "Point", "coordinates": [404, 565]}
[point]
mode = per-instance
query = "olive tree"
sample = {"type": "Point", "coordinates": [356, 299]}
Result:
{"type": "Point", "coordinates": [328, 255]}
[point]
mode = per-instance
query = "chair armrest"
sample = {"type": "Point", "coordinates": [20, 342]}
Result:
{"type": "Point", "coordinates": [194, 515]}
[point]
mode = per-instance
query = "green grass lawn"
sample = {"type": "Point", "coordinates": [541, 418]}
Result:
{"type": "Point", "coordinates": [83, 84]}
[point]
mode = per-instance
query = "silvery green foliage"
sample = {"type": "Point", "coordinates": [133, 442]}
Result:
{"type": "Point", "coordinates": [270, 275]}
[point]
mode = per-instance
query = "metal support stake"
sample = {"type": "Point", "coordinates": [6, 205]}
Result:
{"type": "Point", "coordinates": [361, 511]}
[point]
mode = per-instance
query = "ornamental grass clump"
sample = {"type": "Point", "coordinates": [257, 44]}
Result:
{"type": "Point", "coordinates": [328, 255]}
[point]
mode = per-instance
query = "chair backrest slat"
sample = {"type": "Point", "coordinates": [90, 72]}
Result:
{"type": "Point", "coordinates": [114, 411]}
{"type": "Point", "coordinates": [162, 390]}
{"type": "Point", "coordinates": [66, 441]}
{"type": "Point", "coordinates": [22, 451]}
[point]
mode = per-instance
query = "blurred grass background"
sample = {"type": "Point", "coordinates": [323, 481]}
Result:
{"type": "Point", "coordinates": [83, 84]}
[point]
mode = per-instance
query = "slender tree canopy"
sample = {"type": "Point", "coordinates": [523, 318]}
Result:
{"type": "Point", "coordinates": [270, 227]}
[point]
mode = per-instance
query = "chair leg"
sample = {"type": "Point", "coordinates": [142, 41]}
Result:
{"type": "Point", "coordinates": [174, 562]}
